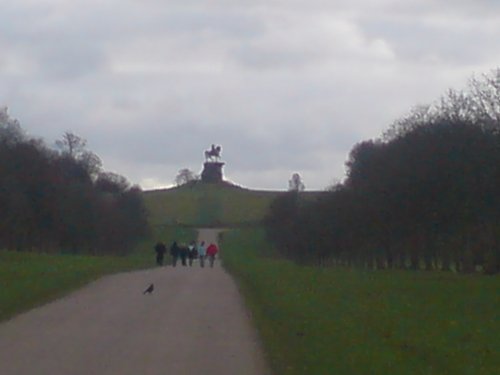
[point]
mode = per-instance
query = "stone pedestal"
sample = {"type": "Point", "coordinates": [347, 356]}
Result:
{"type": "Point", "coordinates": [212, 172]}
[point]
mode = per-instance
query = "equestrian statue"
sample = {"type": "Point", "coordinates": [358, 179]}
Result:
{"type": "Point", "coordinates": [213, 154]}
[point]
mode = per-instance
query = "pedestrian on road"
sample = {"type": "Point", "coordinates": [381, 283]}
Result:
{"type": "Point", "coordinates": [192, 252]}
{"type": "Point", "coordinates": [184, 254]}
{"type": "Point", "coordinates": [160, 249]}
{"type": "Point", "coordinates": [174, 252]}
{"type": "Point", "coordinates": [212, 250]}
{"type": "Point", "coordinates": [202, 252]}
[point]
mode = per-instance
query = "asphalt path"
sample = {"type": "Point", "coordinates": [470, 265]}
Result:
{"type": "Point", "coordinates": [194, 323]}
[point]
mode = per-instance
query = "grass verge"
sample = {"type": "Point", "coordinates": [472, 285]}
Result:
{"type": "Point", "coordinates": [340, 321]}
{"type": "Point", "coordinates": [28, 280]}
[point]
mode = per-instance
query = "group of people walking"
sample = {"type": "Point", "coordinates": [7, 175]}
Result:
{"type": "Point", "coordinates": [187, 254]}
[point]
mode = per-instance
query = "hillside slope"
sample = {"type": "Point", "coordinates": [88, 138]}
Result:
{"type": "Point", "coordinates": [207, 205]}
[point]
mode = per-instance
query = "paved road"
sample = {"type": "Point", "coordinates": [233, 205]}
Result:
{"type": "Point", "coordinates": [194, 323]}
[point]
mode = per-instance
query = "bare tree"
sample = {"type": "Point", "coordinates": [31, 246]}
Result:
{"type": "Point", "coordinates": [478, 103]}
{"type": "Point", "coordinates": [10, 130]}
{"type": "Point", "coordinates": [295, 183]}
{"type": "Point", "coordinates": [74, 147]}
{"type": "Point", "coordinates": [71, 144]}
{"type": "Point", "coordinates": [61, 201]}
{"type": "Point", "coordinates": [485, 97]}
{"type": "Point", "coordinates": [420, 115]}
{"type": "Point", "coordinates": [184, 176]}
{"type": "Point", "coordinates": [112, 183]}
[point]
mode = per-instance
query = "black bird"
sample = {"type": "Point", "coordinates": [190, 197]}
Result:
{"type": "Point", "coordinates": [149, 289]}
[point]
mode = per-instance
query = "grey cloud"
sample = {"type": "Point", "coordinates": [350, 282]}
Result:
{"type": "Point", "coordinates": [466, 8]}
{"type": "Point", "coordinates": [284, 86]}
{"type": "Point", "coordinates": [53, 51]}
{"type": "Point", "coordinates": [233, 24]}
{"type": "Point", "coordinates": [69, 59]}
{"type": "Point", "coordinates": [414, 40]}
{"type": "Point", "coordinates": [263, 57]}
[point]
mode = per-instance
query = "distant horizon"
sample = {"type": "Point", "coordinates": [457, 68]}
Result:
{"type": "Point", "coordinates": [173, 186]}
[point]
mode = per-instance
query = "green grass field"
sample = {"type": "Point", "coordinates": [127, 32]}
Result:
{"type": "Point", "coordinates": [343, 322]}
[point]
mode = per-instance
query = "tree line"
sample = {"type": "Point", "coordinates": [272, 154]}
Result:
{"type": "Point", "coordinates": [425, 195]}
{"type": "Point", "coordinates": [61, 200]}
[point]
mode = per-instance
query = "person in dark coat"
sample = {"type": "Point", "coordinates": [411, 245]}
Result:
{"type": "Point", "coordinates": [174, 252]}
{"type": "Point", "coordinates": [160, 252]}
{"type": "Point", "coordinates": [183, 251]}
{"type": "Point", "coordinates": [193, 252]}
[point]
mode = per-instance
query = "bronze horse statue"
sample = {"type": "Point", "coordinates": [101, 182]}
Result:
{"type": "Point", "coordinates": [213, 153]}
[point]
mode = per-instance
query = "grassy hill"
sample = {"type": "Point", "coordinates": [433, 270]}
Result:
{"type": "Point", "coordinates": [207, 205]}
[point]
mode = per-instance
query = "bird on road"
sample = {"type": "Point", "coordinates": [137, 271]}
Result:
{"type": "Point", "coordinates": [149, 289]}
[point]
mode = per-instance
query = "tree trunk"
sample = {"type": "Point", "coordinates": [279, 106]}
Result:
{"type": "Point", "coordinates": [414, 260]}
{"type": "Point", "coordinates": [428, 262]}
{"type": "Point", "coordinates": [390, 260]}
{"type": "Point", "coordinates": [379, 260]}
{"type": "Point", "coordinates": [491, 262]}
{"type": "Point", "coordinates": [446, 262]}
{"type": "Point", "coordinates": [468, 261]}
{"type": "Point", "coordinates": [370, 262]}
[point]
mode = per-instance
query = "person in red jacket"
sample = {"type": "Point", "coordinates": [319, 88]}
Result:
{"type": "Point", "coordinates": [212, 249]}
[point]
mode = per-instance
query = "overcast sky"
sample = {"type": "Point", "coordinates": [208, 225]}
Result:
{"type": "Point", "coordinates": [284, 86]}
